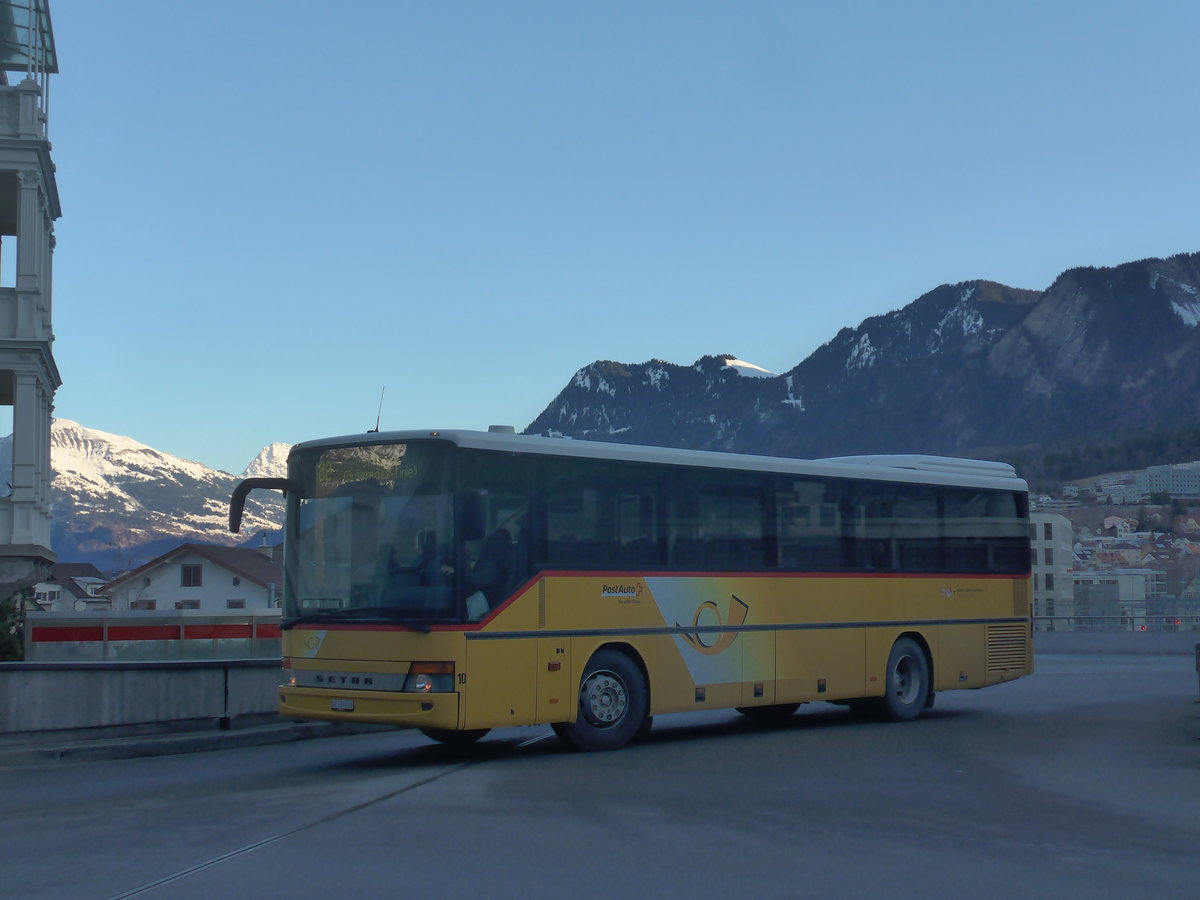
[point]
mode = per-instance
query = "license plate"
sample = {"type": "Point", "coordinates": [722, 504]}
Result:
{"type": "Point", "coordinates": [343, 705]}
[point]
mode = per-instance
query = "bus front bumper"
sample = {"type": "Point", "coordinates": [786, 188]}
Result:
{"type": "Point", "coordinates": [377, 707]}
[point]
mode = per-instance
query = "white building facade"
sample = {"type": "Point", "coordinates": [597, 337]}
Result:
{"type": "Point", "coordinates": [1120, 598]}
{"type": "Point", "coordinates": [1053, 585]}
{"type": "Point", "coordinates": [202, 577]}
{"type": "Point", "coordinates": [1176, 481]}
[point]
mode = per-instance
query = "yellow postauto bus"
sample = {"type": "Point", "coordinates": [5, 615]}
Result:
{"type": "Point", "coordinates": [458, 581]}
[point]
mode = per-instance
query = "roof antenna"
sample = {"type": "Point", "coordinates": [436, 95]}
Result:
{"type": "Point", "coordinates": [379, 414]}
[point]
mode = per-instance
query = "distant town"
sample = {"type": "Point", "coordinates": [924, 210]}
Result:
{"type": "Point", "coordinates": [1119, 550]}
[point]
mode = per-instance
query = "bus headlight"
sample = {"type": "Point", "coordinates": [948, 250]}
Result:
{"type": "Point", "coordinates": [430, 678]}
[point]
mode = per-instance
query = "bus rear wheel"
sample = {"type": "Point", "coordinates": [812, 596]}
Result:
{"type": "Point", "coordinates": [613, 704]}
{"type": "Point", "coordinates": [452, 738]}
{"type": "Point", "coordinates": [906, 688]}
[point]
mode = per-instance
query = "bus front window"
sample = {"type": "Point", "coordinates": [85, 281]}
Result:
{"type": "Point", "coordinates": [371, 535]}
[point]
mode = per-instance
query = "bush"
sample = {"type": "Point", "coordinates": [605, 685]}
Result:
{"type": "Point", "coordinates": [12, 628]}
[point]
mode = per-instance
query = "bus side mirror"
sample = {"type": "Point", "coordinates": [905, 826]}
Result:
{"type": "Point", "coordinates": [468, 514]}
{"type": "Point", "coordinates": [237, 503]}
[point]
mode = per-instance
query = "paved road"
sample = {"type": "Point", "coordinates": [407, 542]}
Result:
{"type": "Point", "coordinates": [1083, 780]}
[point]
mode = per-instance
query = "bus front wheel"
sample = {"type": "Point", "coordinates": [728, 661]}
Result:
{"type": "Point", "coordinates": [906, 691]}
{"type": "Point", "coordinates": [613, 704]}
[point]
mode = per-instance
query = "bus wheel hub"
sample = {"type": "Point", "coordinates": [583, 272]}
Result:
{"type": "Point", "coordinates": [603, 698]}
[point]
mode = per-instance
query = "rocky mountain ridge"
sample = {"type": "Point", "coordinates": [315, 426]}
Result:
{"type": "Point", "coordinates": [975, 368]}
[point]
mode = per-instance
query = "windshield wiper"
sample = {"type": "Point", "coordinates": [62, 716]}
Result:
{"type": "Point", "coordinates": [324, 615]}
{"type": "Point", "coordinates": [382, 612]}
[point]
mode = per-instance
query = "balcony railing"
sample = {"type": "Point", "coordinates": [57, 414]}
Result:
{"type": "Point", "coordinates": [22, 111]}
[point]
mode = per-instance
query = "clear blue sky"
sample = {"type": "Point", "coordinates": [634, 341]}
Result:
{"type": "Point", "coordinates": [271, 210]}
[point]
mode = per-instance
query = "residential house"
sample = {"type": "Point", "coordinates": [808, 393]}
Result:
{"type": "Point", "coordinates": [1190, 592]}
{"type": "Point", "coordinates": [1118, 525]}
{"type": "Point", "coordinates": [71, 587]}
{"type": "Point", "coordinates": [1122, 553]}
{"type": "Point", "coordinates": [206, 577]}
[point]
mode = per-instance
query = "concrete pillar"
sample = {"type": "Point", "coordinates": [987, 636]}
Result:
{"type": "Point", "coordinates": [45, 469]}
{"type": "Point", "coordinates": [30, 498]}
{"type": "Point", "coordinates": [26, 452]}
{"type": "Point", "coordinates": [31, 237]}
{"type": "Point", "coordinates": [31, 123]}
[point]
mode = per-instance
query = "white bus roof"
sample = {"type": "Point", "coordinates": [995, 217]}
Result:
{"type": "Point", "coordinates": [903, 467]}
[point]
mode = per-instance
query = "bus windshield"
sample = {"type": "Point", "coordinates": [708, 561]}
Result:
{"type": "Point", "coordinates": [371, 534]}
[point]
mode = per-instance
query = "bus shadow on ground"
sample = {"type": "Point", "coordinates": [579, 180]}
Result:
{"type": "Point", "coordinates": [826, 717]}
{"type": "Point", "coordinates": [669, 729]}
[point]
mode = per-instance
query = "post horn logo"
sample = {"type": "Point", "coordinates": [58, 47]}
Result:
{"type": "Point", "coordinates": [707, 638]}
{"type": "Point", "coordinates": [312, 644]}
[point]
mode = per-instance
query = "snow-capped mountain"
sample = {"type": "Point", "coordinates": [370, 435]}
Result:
{"type": "Point", "coordinates": [975, 368]}
{"type": "Point", "coordinates": [750, 370]}
{"type": "Point", "coordinates": [118, 502]}
{"type": "Point", "coordinates": [271, 462]}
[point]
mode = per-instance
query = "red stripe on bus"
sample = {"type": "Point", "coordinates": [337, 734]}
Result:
{"type": "Point", "coordinates": [643, 573]}
{"type": "Point", "coordinates": [46, 634]}
{"type": "Point", "coordinates": [268, 631]}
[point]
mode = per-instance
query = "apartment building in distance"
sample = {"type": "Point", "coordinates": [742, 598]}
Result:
{"type": "Point", "coordinates": [1053, 585]}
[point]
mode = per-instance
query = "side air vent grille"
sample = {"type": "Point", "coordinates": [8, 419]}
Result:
{"type": "Point", "coordinates": [1007, 646]}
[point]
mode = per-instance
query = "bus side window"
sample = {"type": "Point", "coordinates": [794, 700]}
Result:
{"type": "Point", "coordinates": [636, 522]}
{"type": "Point", "coordinates": [601, 515]}
{"type": "Point", "coordinates": [717, 523]}
{"type": "Point", "coordinates": [985, 532]}
{"type": "Point", "coordinates": [966, 541]}
{"type": "Point", "coordinates": [495, 527]}
{"type": "Point", "coordinates": [918, 531]}
{"type": "Point", "coordinates": [808, 524]}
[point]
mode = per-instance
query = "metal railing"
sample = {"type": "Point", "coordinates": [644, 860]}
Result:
{"type": "Point", "coordinates": [1159, 622]}
{"type": "Point", "coordinates": [151, 635]}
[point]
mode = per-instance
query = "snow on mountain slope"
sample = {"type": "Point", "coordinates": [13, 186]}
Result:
{"type": "Point", "coordinates": [118, 502]}
{"type": "Point", "coordinates": [271, 462]}
{"type": "Point", "coordinates": [103, 464]}
{"type": "Point", "coordinates": [748, 369]}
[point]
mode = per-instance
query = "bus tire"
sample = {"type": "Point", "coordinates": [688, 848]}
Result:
{"type": "Point", "coordinates": [452, 738]}
{"type": "Point", "coordinates": [644, 731]}
{"type": "Point", "coordinates": [906, 681]}
{"type": "Point", "coordinates": [613, 704]}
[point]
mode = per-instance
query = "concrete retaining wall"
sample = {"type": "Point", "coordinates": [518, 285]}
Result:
{"type": "Point", "coordinates": [37, 697]}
